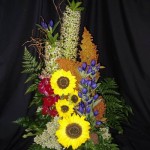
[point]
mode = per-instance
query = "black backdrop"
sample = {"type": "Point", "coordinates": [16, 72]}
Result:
{"type": "Point", "coordinates": [121, 30]}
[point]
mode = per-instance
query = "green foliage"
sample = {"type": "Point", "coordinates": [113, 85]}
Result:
{"type": "Point", "coordinates": [30, 64]}
{"type": "Point", "coordinates": [37, 99]}
{"type": "Point", "coordinates": [32, 67]}
{"type": "Point", "coordinates": [116, 109]}
{"type": "Point", "coordinates": [103, 144]}
{"type": "Point", "coordinates": [31, 88]}
{"type": "Point", "coordinates": [24, 121]}
{"type": "Point", "coordinates": [33, 126]}
{"type": "Point", "coordinates": [50, 35]}
{"type": "Point", "coordinates": [75, 6]}
{"type": "Point", "coordinates": [37, 147]}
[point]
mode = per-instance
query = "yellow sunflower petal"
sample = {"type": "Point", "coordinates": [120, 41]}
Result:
{"type": "Point", "coordinates": [63, 82]}
{"type": "Point", "coordinates": [64, 108]}
{"type": "Point", "coordinates": [73, 131]}
{"type": "Point", "coordinates": [74, 98]}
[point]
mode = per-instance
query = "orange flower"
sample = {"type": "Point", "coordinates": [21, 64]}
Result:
{"type": "Point", "coordinates": [89, 49]}
{"type": "Point", "coordinates": [100, 107]}
{"type": "Point", "coordinates": [70, 65]}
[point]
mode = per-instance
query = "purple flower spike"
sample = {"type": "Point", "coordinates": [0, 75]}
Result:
{"type": "Point", "coordinates": [93, 63]}
{"type": "Point", "coordinates": [84, 65]}
{"type": "Point", "coordinates": [94, 85]}
{"type": "Point", "coordinates": [87, 98]}
{"type": "Point", "coordinates": [83, 81]}
{"type": "Point", "coordinates": [96, 97]}
{"type": "Point", "coordinates": [82, 104]}
{"type": "Point", "coordinates": [89, 83]}
{"type": "Point", "coordinates": [98, 67]}
{"type": "Point", "coordinates": [88, 109]}
{"type": "Point", "coordinates": [95, 113]}
{"type": "Point", "coordinates": [51, 23]}
{"type": "Point", "coordinates": [89, 102]}
{"type": "Point", "coordinates": [80, 94]}
{"type": "Point", "coordinates": [93, 72]}
{"type": "Point", "coordinates": [81, 110]}
{"type": "Point", "coordinates": [98, 123]}
{"type": "Point", "coordinates": [80, 69]}
{"type": "Point", "coordinates": [44, 25]}
{"type": "Point", "coordinates": [89, 70]}
{"type": "Point", "coordinates": [84, 90]}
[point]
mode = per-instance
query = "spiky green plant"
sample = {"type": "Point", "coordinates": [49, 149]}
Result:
{"type": "Point", "coordinates": [116, 111]}
{"type": "Point", "coordinates": [75, 6]}
{"type": "Point", "coordinates": [32, 68]}
{"type": "Point", "coordinates": [69, 32]}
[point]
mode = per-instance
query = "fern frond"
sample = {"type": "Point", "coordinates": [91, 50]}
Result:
{"type": "Point", "coordinates": [31, 88]}
{"type": "Point", "coordinates": [116, 109]}
{"type": "Point", "coordinates": [108, 85]}
{"type": "Point", "coordinates": [32, 77]}
{"type": "Point", "coordinates": [28, 70]}
{"type": "Point", "coordinates": [37, 100]}
{"type": "Point", "coordinates": [24, 121]}
{"type": "Point", "coordinates": [30, 64]}
{"type": "Point", "coordinates": [31, 67]}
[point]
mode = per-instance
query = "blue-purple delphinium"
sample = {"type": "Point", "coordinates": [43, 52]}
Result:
{"type": "Point", "coordinates": [45, 26]}
{"type": "Point", "coordinates": [88, 83]}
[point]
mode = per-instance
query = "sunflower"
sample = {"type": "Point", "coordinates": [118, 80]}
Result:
{"type": "Point", "coordinates": [73, 131]}
{"type": "Point", "coordinates": [64, 108]}
{"type": "Point", "coordinates": [63, 82]}
{"type": "Point", "coordinates": [74, 98]}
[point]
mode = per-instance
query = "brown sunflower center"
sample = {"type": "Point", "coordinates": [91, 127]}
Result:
{"type": "Point", "coordinates": [63, 82]}
{"type": "Point", "coordinates": [64, 108]}
{"type": "Point", "coordinates": [73, 130]}
{"type": "Point", "coordinates": [74, 98]}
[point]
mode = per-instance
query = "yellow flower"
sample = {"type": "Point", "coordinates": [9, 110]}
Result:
{"type": "Point", "coordinates": [63, 82]}
{"type": "Point", "coordinates": [64, 108]}
{"type": "Point", "coordinates": [74, 98]}
{"type": "Point", "coordinates": [73, 131]}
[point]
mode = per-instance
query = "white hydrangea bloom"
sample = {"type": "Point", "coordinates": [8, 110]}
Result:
{"type": "Point", "coordinates": [48, 139]}
{"type": "Point", "coordinates": [105, 133]}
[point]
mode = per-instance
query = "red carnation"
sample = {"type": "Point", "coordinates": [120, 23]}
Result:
{"type": "Point", "coordinates": [50, 101]}
{"type": "Point", "coordinates": [45, 110]}
{"type": "Point", "coordinates": [53, 112]}
{"type": "Point", "coordinates": [49, 111]}
{"type": "Point", "coordinates": [45, 88]}
{"type": "Point", "coordinates": [48, 105]}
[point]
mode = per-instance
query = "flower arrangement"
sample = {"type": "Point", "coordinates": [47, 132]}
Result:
{"type": "Point", "coordinates": [75, 109]}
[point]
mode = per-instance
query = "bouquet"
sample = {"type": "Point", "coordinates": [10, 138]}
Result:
{"type": "Point", "coordinates": [75, 108]}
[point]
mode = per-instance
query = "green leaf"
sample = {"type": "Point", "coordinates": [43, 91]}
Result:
{"type": "Point", "coordinates": [24, 121]}
{"type": "Point", "coordinates": [116, 111]}
{"type": "Point", "coordinates": [96, 102]}
{"type": "Point", "coordinates": [37, 99]}
{"type": "Point", "coordinates": [28, 70]}
{"type": "Point", "coordinates": [32, 77]}
{"type": "Point", "coordinates": [30, 64]}
{"type": "Point", "coordinates": [55, 26]}
{"type": "Point", "coordinates": [31, 88]}
{"type": "Point", "coordinates": [75, 6]}
{"type": "Point", "coordinates": [39, 26]}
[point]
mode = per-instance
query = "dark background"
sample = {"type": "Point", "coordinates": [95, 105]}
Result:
{"type": "Point", "coordinates": [121, 30]}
